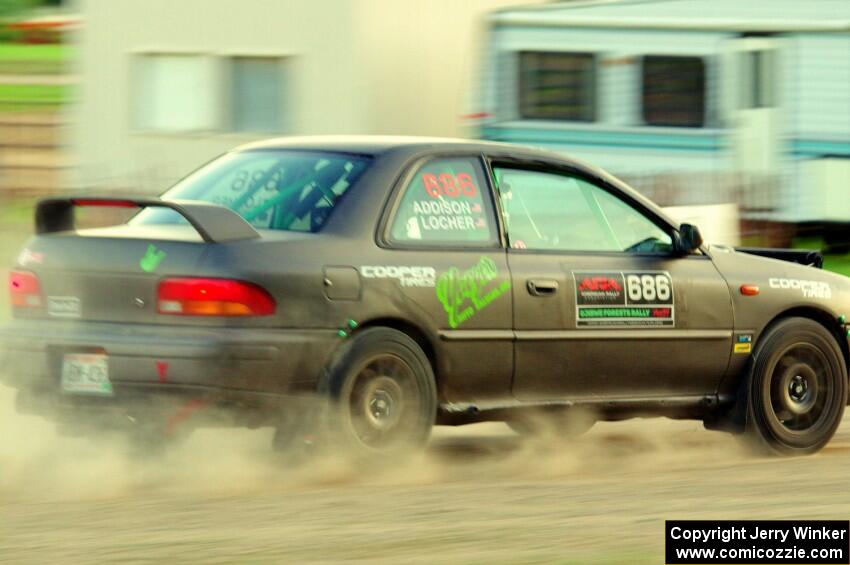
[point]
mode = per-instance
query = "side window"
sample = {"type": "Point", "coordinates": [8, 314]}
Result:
{"type": "Point", "coordinates": [547, 211]}
{"type": "Point", "coordinates": [446, 202]}
{"type": "Point", "coordinates": [634, 232]}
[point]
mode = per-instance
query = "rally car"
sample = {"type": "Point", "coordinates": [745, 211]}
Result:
{"type": "Point", "coordinates": [400, 283]}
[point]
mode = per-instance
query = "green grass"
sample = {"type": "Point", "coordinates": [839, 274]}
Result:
{"type": "Point", "coordinates": [29, 97]}
{"type": "Point", "coordinates": [19, 59]}
{"type": "Point", "coordinates": [831, 262]}
{"type": "Point", "coordinates": [16, 214]}
{"type": "Point", "coordinates": [837, 264]}
{"type": "Point", "coordinates": [21, 52]}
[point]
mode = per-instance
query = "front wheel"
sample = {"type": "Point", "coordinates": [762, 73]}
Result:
{"type": "Point", "coordinates": [796, 389]}
{"type": "Point", "coordinates": [382, 393]}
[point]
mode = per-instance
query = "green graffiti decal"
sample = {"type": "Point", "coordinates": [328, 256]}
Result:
{"type": "Point", "coordinates": [153, 257]}
{"type": "Point", "coordinates": [465, 294]}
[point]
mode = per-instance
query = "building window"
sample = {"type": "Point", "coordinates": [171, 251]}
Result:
{"type": "Point", "coordinates": [674, 91]}
{"type": "Point", "coordinates": [256, 95]}
{"type": "Point", "coordinates": [557, 86]}
{"type": "Point", "coordinates": [174, 92]}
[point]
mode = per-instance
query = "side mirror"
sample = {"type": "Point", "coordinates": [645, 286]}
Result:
{"type": "Point", "coordinates": [689, 239]}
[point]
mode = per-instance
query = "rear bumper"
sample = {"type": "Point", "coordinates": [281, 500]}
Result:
{"type": "Point", "coordinates": [153, 360]}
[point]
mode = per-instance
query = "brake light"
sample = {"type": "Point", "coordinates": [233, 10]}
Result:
{"type": "Point", "coordinates": [103, 203]}
{"type": "Point", "coordinates": [213, 297]}
{"type": "Point", "coordinates": [25, 289]}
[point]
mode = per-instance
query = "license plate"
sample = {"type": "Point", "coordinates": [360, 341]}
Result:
{"type": "Point", "coordinates": [86, 373]}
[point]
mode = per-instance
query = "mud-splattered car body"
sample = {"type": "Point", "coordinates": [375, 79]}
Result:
{"type": "Point", "coordinates": [444, 241]}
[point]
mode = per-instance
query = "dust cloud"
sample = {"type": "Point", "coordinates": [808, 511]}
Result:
{"type": "Point", "coordinates": [37, 463]}
{"type": "Point", "coordinates": [476, 494]}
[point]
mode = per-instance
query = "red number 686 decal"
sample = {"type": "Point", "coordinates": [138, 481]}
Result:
{"type": "Point", "coordinates": [446, 184]}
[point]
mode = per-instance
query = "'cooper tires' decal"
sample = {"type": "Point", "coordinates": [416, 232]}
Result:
{"type": "Point", "coordinates": [624, 298]}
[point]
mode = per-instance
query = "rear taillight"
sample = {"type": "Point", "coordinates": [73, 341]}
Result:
{"type": "Point", "coordinates": [25, 290]}
{"type": "Point", "coordinates": [213, 297]}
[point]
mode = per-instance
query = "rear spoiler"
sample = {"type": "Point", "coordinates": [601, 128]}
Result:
{"type": "Point", "coordinates": [808, 257]}
{"type": "Point", "coordinates": [214, 223]}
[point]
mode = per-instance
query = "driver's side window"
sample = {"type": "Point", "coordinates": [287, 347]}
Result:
{"type": "Point", "coordinates": [549, 211]}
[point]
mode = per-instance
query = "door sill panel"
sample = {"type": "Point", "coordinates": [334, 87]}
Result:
{"type": "Point", "coordinates": [458, 413]}
{"type": "Point", "coordinates": [643, 334]}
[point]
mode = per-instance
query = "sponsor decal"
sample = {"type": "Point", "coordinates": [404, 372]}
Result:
{"type": "Point", "coordinates": [451, 203]}
{"type": "Point", "coordinates": [624, 298]}
{"type": "Point", "coordinates": [447, 184]}
{"type": "Point", "coordinates": [152, 258]}
{"type": "Point", "coordinates": [810, 289]}
{"type": "Point", "coordinates": [464, 294]}
{"type": "Point", "coordinates": [444, 215]}
{"type": "Point", "coordinates": [743, 343]}
{"type": "Point", "coordinates": [445, 223]}
{"type": "Point", "coordinates": [64, 306]}
{"type": "Point", "coordinates": [27, 257]}
{"type": "Point", "coordinates": [412, 276]}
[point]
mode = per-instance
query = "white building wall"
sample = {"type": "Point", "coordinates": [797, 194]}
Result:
{"type": "Point", "coordinates": [114, 153]}
{"type": "Point", "coordinates": [419, 62]}
{"type": "Point", "coordinates": [815, 96]}
{"type": "Point", "coordinates": [353, 67]}
{"type": "Point", "coordinates": [819, 90]}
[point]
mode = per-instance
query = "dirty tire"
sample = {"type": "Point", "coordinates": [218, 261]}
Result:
{"type": "Point", "coordinates": [381, 393]}
{"type": "Point", "coordinates": [796, 389]}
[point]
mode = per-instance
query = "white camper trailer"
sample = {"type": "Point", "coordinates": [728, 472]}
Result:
{"type": "Point", "coordinates": [693, 101]}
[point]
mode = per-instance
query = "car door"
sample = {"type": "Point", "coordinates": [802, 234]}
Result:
{"type": "Point", "coordinates": [443, 261]}
{"type": "Point", "coordinates": [603, 307]}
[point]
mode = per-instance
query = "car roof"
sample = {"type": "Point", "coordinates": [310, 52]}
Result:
{"type": "Point", "coordinates": [416, 146]}
{"type": "Point", "coordinates": [373, 144]}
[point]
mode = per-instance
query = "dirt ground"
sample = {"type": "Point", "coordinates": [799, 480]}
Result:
{"type": "Point", "coordinates": [477, 495]}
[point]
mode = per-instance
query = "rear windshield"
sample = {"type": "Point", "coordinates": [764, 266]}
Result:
{"type": "Point", "coordinates": [278, 190]}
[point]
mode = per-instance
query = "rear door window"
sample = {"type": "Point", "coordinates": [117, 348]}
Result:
{"type": "Point", "coordinates": [446, 203]}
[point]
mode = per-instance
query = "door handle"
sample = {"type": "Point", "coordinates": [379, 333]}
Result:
{"type": "Point", "coordinates": [542, 287]}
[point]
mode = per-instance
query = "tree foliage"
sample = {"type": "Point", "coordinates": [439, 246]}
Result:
{"type": "Point", "coordinates": [14, 8]}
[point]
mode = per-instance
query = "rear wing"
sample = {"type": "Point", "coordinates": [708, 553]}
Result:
{"type": "Point", "coordinates": [807, 257]}
{"type": "Point", "coordinates": [214, 223]}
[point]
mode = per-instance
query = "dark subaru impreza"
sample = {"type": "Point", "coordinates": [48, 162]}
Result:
{"type": "Point", "coordinates": [405, 282]}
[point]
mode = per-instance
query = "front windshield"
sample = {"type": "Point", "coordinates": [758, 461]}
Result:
{"type": "Point", "coordinates": [271, 189]}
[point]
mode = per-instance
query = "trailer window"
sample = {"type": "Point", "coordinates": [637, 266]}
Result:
{"type": "Point", "coordinates": [674, 91]}
{"type": "Point", "coordinates": [557, 86]}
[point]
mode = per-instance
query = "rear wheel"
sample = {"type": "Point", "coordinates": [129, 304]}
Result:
{"type": "Point", "coordinates": [382, 393]}
{"type": "Point", "coordinates": [796, 390]}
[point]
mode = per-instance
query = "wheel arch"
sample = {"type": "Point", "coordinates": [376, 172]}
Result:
{"type": "Point", "coordinates": [732, 418]}
{"type": "Point", "coordinates": [822, 317]}
{"type": "Point", "coordinates": [415, 333]}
